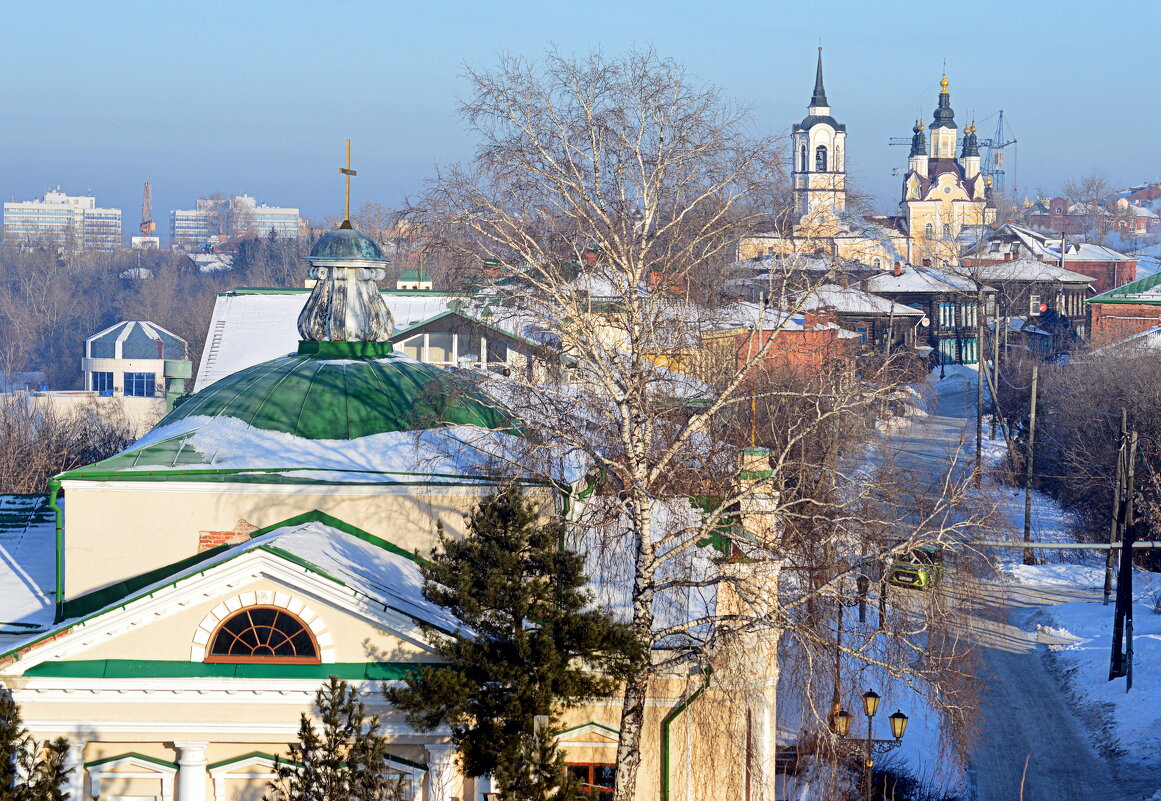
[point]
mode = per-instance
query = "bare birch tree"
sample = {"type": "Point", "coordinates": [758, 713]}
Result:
{"type": "Point", "coordinates": [606, 196]}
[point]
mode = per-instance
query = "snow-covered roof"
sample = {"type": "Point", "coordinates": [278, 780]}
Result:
{"type": "Point", "coordinates": [251, 326]}
{"type": "Point", "coordinates": [450, 454]}
{"type": "Point", "coordinates": [751, 315]}
{"type": "Point", "coordinates": [135, 339]}
{"type": "Point", "coordinates": [356, 560]}
{"type": "Point", "coordinates": [27, 565]}
{"type": "Point", "coordinates": [853, 301]}
{"type": "Point", "coordinates": [1029, 270]}
{"type": "Point", "coordinates": [917, 279]}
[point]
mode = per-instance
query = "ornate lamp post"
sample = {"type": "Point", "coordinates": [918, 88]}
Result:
{"type": "Point", "coordinates": [870, 747]}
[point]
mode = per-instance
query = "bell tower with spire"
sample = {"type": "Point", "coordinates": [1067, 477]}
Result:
{"type": "Point", "coordinates": [819, 157]}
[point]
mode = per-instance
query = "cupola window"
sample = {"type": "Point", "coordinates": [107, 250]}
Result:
{"type": "Point", "coordinates": [263, 634]}
{"type": "Point", "coordinates": [820, 158]}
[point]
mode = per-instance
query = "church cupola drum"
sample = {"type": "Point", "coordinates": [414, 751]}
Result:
{"type": "Point", "coordinates": [819, 157]}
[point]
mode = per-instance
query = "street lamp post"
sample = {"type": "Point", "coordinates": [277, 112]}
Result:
{"type": "Point", "coordinates": [870, 747]}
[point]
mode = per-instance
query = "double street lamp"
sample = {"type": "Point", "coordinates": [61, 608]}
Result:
{"type": "Point", "coordinates": [870, 747]}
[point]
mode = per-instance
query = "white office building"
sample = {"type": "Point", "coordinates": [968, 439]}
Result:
{"type": "Point", "coordinates": [217, 218]}
{"type": "Point", "coordinates": [73, 222]}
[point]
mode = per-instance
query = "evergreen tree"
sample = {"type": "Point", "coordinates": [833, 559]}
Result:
{"type": "Point", "coordinates": [344, 759]}
{"type": "Point", "coordinates": [537, 646]}
{"type": "Point", "coordinates": [29, 771]}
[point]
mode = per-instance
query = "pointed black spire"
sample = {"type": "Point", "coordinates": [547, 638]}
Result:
{"type": "Point", "coordinates": [819, 96]}
{"type": "Point", "coordinates": [918, 140]}
{"type": "Point", "coordinates": [971, 144]}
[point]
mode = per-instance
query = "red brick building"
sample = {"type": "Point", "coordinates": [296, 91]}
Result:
{"type": "Point", "coordinates": [1125, 311]}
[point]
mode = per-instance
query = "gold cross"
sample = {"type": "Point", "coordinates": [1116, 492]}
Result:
{"type": "Point", "coordinates": [347, 171]}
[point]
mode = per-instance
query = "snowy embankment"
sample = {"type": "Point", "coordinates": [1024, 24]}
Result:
{"type": "Point", "coordinates": [1078, 638]}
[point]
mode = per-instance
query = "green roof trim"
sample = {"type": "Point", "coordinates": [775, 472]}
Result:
{"type": "Point", "coordinates": [609, 729]}
{"type": "Point", "coordinates": [90, 605]}
{"type": "Point", "coordinates": [252, 755]}
{"type": "Point", "coordinates": [319, 516]}
{"type": "Point", "coordinates": [415, 275]}
{"type": "Point", "coordinates": [177, 669]}
{"type": "Point", "coordinates": [132, 755]}
{"type": "Point", "coordinates": [1130, 292]}
{"type": "Point", "coordinates": [331, 349]}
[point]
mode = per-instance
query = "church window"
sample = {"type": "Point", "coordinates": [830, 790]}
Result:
{"type": "Point", "coordinates": [263, 634]}
{"type": "Point", "coordinates": [140, 385]}
{"type": "Point", "coordinates": [101, 383]}
{"type": "Point", "coordinates": [820, 158]}
{"type": "Point", "coordinates": [929, 231]}
{"type": "Point", "coordinates": [877, 262]}
{"type": "Point", "coordinates": [804, 158]}
{"type": "Point", "coordinates": [947, 230]}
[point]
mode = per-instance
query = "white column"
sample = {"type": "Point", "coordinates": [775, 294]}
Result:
{"type": "Point", "coordinates": [75, 763]}
{"type": "Point", "coordinates": [443, 774]}
{"type": "Point", "coordinates": [191, 771]}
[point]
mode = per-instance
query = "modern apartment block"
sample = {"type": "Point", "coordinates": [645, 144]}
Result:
{"type": "Point", "coordinates": [219, 218]}
{"type": "Point", "coordinates": [75, 222]}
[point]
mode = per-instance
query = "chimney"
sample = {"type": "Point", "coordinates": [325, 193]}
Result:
{"type": "Point", "coordinates": [810, 319]}
{"type": "Point", "coordinates": [1008, 256]}
{"type": "Point", "coordinates": [898, 269]}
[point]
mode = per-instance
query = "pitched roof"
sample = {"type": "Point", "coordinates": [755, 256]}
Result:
{"type": "Point", "coordinates": [251, 325]}
{"type": "Point", "coordinates": [360, 562]}
{"type": "Point", "coordinates": [853, 301]}
{"type": "Point", "coordinates": [1030, 270]}
{"type": "Point", "coordinates": [1145, 290]}
{"type": "Point", "coordinates": [917, 279]}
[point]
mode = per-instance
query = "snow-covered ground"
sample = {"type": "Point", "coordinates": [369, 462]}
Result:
{"type": "Point", "coordinates": [1078, 636]}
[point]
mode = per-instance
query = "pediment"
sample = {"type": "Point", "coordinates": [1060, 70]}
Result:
{"type": "Point", "coordinates": [172, 625]}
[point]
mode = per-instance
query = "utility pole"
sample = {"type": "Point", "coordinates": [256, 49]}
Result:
{"type": "Point", "coordinates": [1118, 492]}
{"type": "Point", "coordinates": [995, 368]}
{"type": "Point", "coordinates": [1121, 663]}
{"type": "Point", "coordinates": [981, 365]}
{"type": "Point", "coordinates": [1029, 559]}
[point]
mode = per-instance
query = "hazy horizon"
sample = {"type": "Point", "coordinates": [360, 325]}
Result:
{"type": "Point", "coordinates": [215, 98]}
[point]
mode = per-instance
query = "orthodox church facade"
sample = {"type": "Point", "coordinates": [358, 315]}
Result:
{"type": "Point", "coordinates": [264, 535]}
{"type": "Point", "coordinates": [942, 195]}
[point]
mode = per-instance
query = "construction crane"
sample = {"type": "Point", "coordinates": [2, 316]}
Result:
{"type": "Point", "coordinates": [148, 226]}
{"type": "Point", "coordinates": [994, 161]}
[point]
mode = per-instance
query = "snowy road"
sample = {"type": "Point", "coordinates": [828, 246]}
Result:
{"type": "Point", "coordinates": [1025, 715]}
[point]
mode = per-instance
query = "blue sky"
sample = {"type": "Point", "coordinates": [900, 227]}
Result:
{"type": "Point", "coordinates": [260, 96]}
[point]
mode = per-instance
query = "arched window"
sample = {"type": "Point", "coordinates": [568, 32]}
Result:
{"type": "Point", "coordinates": [877, 262]}
{"type": "Point", "coordinates": [803, 168]}
{"type": "Point", "coordinates": [263, 634]}
{"type": "Point", "coordinates": [929, 231]}
{"type": "Point", "coordinates": [838, 159]}
{"type": "Point", "coordinates": [820, 158]}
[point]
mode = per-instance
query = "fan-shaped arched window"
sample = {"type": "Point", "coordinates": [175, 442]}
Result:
{"type": "Point", "coordinates": [263, 634]}
{"type": "Point", "coordinates": [820, 158]}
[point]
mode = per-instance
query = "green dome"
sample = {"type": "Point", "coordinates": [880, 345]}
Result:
{"type": "Point", "coordinates": [346, 243]}
{"type": "Point", "coordinates": [345, 390]}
